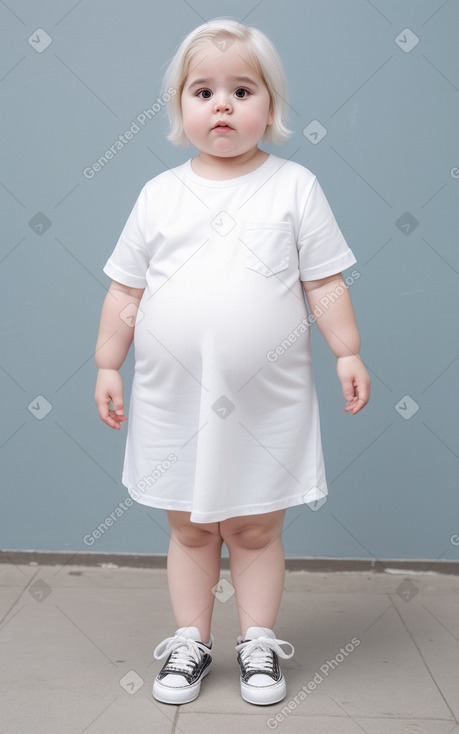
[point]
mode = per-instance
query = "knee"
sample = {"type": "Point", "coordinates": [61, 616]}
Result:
{"type": "Point", "coordinates": [249, 536]}
{"type": "Point", "coordinates": [195, 536]}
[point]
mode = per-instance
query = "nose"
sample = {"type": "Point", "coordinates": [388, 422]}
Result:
{"type": "Point", "coordinates": [222, 102]}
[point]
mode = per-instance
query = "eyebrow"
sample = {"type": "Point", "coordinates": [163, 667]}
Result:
{"type": "Point", "coordinates": [246, 79]}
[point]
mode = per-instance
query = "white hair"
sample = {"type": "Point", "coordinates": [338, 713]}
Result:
{"type": "Point", "coordinates": [260, 52]}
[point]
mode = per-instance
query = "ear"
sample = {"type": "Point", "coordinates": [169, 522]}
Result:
{"type": "Point", "coordinates": [270, 115]}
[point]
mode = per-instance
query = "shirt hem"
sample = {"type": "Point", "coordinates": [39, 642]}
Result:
{"type": "Point", "coordinates": [330, 268]}
{"type": "Point", "coordinates": [131, 281]}
{"type": "Point", "coordinates": [220, 515]}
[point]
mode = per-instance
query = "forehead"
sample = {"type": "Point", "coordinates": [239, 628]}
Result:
{"type": "Point", "coordinates": [226, 58]}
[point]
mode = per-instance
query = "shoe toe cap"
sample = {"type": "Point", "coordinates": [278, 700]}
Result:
{"type": "Point", "coordinates": [260, 680]}
{"type": "Point", "coordinates": [171, 680]}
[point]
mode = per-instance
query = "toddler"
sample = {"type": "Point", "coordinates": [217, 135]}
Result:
{"type": "Point", "coordinates": [210, 279]}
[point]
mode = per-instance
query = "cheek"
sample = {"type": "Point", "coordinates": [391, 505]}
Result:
{"type": "Point", "coordinates": [190, 115]}
{"type": "Point", "coordinates": [255, 120]}
{"type": "Point", "coordinates": [191, 125]}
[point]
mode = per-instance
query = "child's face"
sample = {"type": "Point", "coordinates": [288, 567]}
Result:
{"type": "Point", "coordinates": [223, 86]}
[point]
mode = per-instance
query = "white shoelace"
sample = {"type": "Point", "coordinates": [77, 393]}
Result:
{"type": "Point", "coordinates": [184, 652]}
{"type": "Point", "coordinates": [256, 656]}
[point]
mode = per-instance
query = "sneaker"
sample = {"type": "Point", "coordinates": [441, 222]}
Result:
{"type": "Point", "coordinates": [262, 680]}
{"type": "Point", "coordinates": [189, 661]}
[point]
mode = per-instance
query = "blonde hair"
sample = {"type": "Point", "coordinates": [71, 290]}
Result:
{"type": "Point", "coordinates": [261, 53]}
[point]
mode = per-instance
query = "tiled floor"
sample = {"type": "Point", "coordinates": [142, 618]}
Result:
{"type": "Point", "coordinates": [77, 655]}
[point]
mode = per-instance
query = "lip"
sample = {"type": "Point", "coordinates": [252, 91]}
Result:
{"type": "Point", "coordinates": [222, 126]}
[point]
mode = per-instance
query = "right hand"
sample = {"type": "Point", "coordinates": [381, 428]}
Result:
{"type": "Point", "coordinates": [109, 386]}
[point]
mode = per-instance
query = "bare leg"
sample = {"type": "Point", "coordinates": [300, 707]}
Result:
{"type": "Point", "coordinates": [193, 568]}
{"type": "Point", "coordinates": [257, 566]}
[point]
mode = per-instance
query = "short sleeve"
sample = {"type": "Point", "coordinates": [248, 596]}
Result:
{"type": "Point", "coordinates": [322, 249]}
{"type": "Point", "coordinates": [129, 261]}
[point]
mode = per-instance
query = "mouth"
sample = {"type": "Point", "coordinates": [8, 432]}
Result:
{"type": "Point", "coordinates": [222, 126]}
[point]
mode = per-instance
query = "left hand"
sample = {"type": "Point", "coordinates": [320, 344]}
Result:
{"type": "Point", "coordinates": [355, 382]}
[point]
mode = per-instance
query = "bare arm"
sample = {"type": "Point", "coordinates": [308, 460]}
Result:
{"type": "Point", "coordinates": [116, 333]}
{"type": "Point", "coordinates": [329, 298]}
{"type": "Point", "coordinates": [116, 326]}
{"type": "Point", "coordinates": [329, 301]}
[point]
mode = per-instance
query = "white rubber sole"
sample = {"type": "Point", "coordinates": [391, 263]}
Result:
{"type": "Point", "coordinates": [264, 695]}
{"type": "Point", "coordinates": [182, 694]}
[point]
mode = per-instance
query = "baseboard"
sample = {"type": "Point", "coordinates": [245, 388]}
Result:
{"type": "Point", "coordinates": [158, 561]}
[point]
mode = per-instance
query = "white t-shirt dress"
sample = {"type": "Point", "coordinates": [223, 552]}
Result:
{"type": "Point", "coordinates": [223, 418]}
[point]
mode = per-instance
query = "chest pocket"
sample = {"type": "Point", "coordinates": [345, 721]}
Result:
{"type": "Point", "coordinates": [269, 246]}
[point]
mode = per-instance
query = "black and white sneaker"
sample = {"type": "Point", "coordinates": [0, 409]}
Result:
{"type": "Point", "coordinates": [189, 661]}
{"type": "Point", "coordinates": [262, 680]}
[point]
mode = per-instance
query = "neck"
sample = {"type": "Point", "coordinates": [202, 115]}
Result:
{"type": "Point", "coordinates": [219, 167]}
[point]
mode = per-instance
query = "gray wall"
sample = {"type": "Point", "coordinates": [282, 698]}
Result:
{"type": "Point", "coordinates": [387, 163]}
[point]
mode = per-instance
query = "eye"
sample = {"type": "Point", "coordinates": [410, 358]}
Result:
{"type": "Point", "coordinates": [241, 93]}
{"type": "Point", "coordinates": [205, 93]}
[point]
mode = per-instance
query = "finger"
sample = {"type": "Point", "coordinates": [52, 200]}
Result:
{"type": "Point", "coordinates": [114, 420]}
{"type": "Point", "coordinates": [115, 416]}
{"type": "Point", "coordinates": [358, 405]}
{"type": "Point", "coordinates": [119, 417]}
{"type": "Point", "coordinates": [118, 406]}
{"type": "Point", "coordinates": [359, 401]}
{"type": "Point", "coordinates": [108, 416]}
{"type": "Point", "coordinates": [362, 391]}
{"type": "Point", "coordinates": [348, 390]}
{"type": "Point", "coordinates": [111, 421]}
